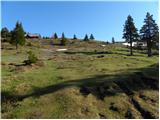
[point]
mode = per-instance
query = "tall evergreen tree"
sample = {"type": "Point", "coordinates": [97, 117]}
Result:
{"type": "Point", "coordinates": [63, 36]}
{"type": "Point", "coordinates": [17, 35]}
{"type": "Point", "coordinates": [74, 37]}
{"type": "Point", "coordinates": [5, 34]}
{"type": "Point", "coordinates": [55, 36]}
{"type": "Point", "coordinates": [63, 39]}
{"type": "Point", "coordinates": [86, 38]}
{"type": "Point", "coordinates": [113, 41]}
{"type": "Point", "coordinates": [149, 32]}
{"type": "Point", "coordinates": [130, 32]}
{"type": "Point", "coordinates": [91, 37]}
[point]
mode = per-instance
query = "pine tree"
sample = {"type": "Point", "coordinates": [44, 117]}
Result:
{"type": "Point", "coordinates": [74, 37]}
{"type": "Point", "coordinates": [91, 37]}
{"type": "Point", "coordinates": [63, 40]}
{"type": "Point", "coordinates": [130, 32]}
{"type": "Point", "coordinates": [86, 38]}
{"type": "Point", "coordinates": [113, 41]}
{"type": "Point", "coordinates": [17, 35]}
{"type": "Point", "coordinates": [107, 42]}
{"type": "Point", "coordinates": [149, 32]}
{"type": "Point", "coordinates": [55, 36]}
{"type": "Point", "coordinates": [5, 34]}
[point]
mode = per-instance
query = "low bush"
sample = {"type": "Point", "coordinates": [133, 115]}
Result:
{"type": "Point", "coordinates": [31, 58]}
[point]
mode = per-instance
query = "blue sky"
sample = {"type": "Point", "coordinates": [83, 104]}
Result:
{"type": "Point", "coordinates": [103, 19]}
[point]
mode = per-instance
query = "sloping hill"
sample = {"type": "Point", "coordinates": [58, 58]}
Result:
{"type": "Point", "coordinates": [86, 81]}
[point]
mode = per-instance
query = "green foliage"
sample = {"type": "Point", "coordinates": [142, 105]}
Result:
{"type": "Point", "coordinates": [5, 35]}
{"type": "Point", "coordinates": [74, 37]}
{"type": "Point", "coordinates": [86, 38]}
{"type": "Point", "coordinates": [92, 37]}
{"type": "Point", "coordinates": [63, 40]}
{"type": "Point", "coordinates": [31, 58]}
{"type": "Point", "coordinates": [130, 32]}
{"type": "Point", "coordinates": [149, 32]}
{"type": "Point", "coordinates": [4, 32]}
{"type": "Point", "coordinates": [45, 37]}
{"type": "Point", "coordinates": [17, 35]}
{"type": "Point", "coordinates": [55, 36]}
{"type": "Point", "coordinates": [113, 41]}
{"type": "Point", "coordinates": [107, 42]}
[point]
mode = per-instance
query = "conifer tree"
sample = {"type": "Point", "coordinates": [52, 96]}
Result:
{"type": "Point", "coordinates": [74, 37]}
{"type": "Point", "coordinates": [63, 40]}
{"type": "Point", "coordinates": [17, 35]}
{"type": "Point", "coordinates": [130, 32]}
{"type": "Point", "coordinates": [55, 36]}
{"type": "Point", "coordinates": [149, 32]}
{"type": "Point", "coordinates": [5, 34]}
{"type": "Point", "coordinates": [91, 37]}
{"type": "Point", "coordinates": [86, 38]}
{"type": "Point", "coordinates": [113, 41]}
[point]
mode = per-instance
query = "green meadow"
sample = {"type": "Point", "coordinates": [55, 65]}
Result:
{"type": "Point", "coordinates": [87, 80]}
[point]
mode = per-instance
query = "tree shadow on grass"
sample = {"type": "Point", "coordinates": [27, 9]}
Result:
{"type": "Point", "coordinates": [102, 52]}
{"type": "Point", "coordinates": [100, 85]}
{"type": "Point", "coordinates": [89, 53]}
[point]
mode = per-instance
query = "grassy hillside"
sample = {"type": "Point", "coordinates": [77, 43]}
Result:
{"type": "Point", "coordinates": [86, 81]}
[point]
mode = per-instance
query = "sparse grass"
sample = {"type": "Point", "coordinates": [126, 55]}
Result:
{"type": "Point", "coordinates": [52, 90]}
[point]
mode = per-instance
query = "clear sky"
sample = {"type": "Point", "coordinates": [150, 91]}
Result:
{"type": "Point", "coordinates": [103, 19]}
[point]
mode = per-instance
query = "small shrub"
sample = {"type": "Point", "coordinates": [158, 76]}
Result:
{"type": "Point", "coordinates": [31, 58]}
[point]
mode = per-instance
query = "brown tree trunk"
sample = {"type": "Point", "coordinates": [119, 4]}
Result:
{"type": "Point", "coordinates": [131, 51]}
{"type": "Point", "coordinates": [149, 48]}
{"type": "Point", "coordinates": [16, 46]}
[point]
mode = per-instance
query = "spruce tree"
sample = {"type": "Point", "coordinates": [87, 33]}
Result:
{"type": "Point", "coordinates": [63, 40]}
{"type": "Point", "coordinates": [86, 38]}
{"type": "Point", "coordinates": [107, 42]}
{"type": "Point", "coordinates": [74, 37]}
{"type": "Point", "coordinates": [91, 37]}
{"type": "Point", "coordinates": [5, 35]}
{"type": "Point", "coordinates": [130, 32]}
{"type": "Point", "coordinates": [17, 35]}
{"type": "Point", "coordinates": [113, 41]}
{"type": "Point", "coordinates": [55, 36]}
{"type": "Point", "coordinates": [149, 32]}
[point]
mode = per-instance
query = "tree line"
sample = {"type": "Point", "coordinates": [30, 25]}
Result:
{"type": "Point", "coordinates": [149, 33]}
{"type": "Point", "coordinates": [17, 36]}
{"type": "Point", "coordinates": [86, 38]}
{"type": "Point", "coordinates": [64, 39]}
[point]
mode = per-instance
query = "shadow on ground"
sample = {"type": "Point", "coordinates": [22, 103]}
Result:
{"type": "Point", "coordinates": [88, 53]}
{"type": "Point", "coordinates": [100, 85]}
{"type": "Point", "coordinates": [105, 52]}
